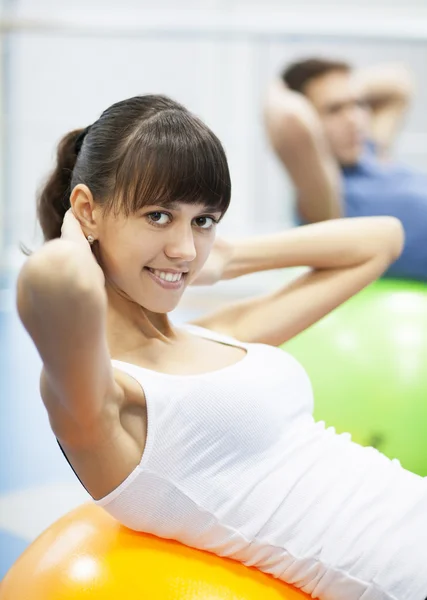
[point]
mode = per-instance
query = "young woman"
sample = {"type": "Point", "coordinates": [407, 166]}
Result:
{"type": "Point", "coordinates": [204, 433]}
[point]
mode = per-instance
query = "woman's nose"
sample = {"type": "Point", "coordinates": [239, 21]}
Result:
{"type": "Point", "coordinates": [181, 244]}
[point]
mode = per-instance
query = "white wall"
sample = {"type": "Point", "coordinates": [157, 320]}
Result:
{"type": "Point", "coordinates": [59, 80]}
{"type": "Point", "coordinates": [390, 6]}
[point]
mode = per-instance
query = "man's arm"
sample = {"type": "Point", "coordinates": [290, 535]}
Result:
{"type": "Point", "coordinates": [388, 90]}
{"type": "Point", "coordinates": [297, 138]}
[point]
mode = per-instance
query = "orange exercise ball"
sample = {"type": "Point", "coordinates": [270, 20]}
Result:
{"type": "Point", "coordinates": [88, 555]}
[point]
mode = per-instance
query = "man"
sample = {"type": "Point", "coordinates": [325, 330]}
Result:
{"type": "Point", "coordinates": [333, 129]}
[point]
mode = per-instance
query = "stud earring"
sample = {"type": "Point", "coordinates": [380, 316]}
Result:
{"type": "Point", "coordinates": [90, 239]}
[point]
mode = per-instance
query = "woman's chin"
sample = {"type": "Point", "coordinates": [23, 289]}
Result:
{"type": "Point", "coordinates": [161, 306]}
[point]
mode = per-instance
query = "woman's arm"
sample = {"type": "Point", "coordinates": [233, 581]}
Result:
{"type": "Point", "coordinates": [62, 303]}
{"type": "Point", "coordinates": [388, 90]}
{"type": "Point", "coordinates": [345, 255]}
{"type": "Point", "coordinates": [296, 135]}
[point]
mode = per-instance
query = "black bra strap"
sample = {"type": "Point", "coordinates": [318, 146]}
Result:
{"type": "Point", "coordinates": [66, 458]}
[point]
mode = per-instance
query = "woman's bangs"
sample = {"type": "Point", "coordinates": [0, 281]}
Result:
{"type": "Point", "coordinates": [174, 164]}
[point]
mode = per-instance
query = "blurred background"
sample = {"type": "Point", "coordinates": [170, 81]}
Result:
{"type": "Point", "coordinates": [62, 63]}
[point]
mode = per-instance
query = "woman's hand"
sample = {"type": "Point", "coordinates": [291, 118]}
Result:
{"type": "Point", "coordinates": [216, 264]}
{"type": "Point", "coordinates": [72, 231]}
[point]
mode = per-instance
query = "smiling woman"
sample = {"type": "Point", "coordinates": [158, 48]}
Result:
{"type": "Point", "coordinates": [145, 175]}
{"type": "Point", "coordinates": [204, 433]}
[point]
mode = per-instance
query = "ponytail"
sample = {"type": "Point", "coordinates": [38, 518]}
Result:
{"type": "Point", "coordinates": [54, 199]}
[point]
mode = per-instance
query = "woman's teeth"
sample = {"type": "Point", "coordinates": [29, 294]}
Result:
{"type": "Point", "coordinates": [166, 276]}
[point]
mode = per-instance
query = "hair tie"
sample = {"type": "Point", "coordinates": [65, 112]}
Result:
{"type": "Point", "coordinates": [80, 139]}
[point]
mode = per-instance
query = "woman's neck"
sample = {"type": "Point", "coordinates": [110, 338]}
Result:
{"type": "Point", "coordinates": [131, 327]}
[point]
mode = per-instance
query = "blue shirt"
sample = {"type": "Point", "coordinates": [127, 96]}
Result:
{"type": "Point", "coordinates": [375, 188]}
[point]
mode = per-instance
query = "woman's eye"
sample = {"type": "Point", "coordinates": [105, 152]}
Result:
{"type": "Point", "coordinates": [204, 222]}
{"type": "Point", "coordinates": [158, 218]}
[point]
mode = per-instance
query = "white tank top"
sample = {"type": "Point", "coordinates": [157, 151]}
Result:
{"type": "Point", "coordinates": [235, 464]}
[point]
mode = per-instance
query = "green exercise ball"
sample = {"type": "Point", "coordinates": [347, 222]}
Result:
{"type": "Point", "coordinates": [367, 362]}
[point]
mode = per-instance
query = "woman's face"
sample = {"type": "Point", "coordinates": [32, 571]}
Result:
{"type": "Point", "coordinates": [153, 255]}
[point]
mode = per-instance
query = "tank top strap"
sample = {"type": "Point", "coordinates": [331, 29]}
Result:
{"type": "Point", "coordinates": [215, 336]}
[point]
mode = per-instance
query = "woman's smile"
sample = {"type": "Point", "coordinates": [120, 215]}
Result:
{"type": "Point", "coordinates": [167, 279]}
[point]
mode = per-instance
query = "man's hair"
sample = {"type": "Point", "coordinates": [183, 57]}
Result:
{"type": "Point", "coordinates": [298, 74]}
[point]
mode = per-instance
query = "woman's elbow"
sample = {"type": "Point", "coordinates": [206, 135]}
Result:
{"type": "Point", "coordinates": [394, 236]}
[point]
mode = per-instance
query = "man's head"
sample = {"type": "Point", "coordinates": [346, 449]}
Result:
{"type": "Point", "coordinates": [331, 88]}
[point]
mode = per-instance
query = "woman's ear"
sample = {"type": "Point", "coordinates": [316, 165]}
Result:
{"type": "Point", "coordinates": [84, 209]}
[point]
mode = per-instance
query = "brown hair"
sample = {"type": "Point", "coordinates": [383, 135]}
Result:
{"type": "Point", "coordinates": [144, 150]}
{"type": "Point", "coordinates": [298, 74]}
